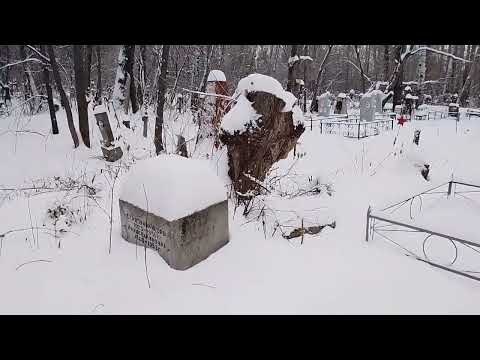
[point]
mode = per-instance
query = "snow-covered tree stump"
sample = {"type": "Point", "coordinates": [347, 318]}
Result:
{"type": "Point", "coordinates": [262, 128]}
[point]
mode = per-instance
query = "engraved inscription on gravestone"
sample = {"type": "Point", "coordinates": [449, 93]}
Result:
{"type": "Point", "coordinates": [146, 233]}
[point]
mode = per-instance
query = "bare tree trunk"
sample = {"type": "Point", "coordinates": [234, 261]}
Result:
{"type": "Point", "coordinates": [291, 65]}
{"type": "Point", "coordinates": [88, 66]}
{"type": "Point", "coordinates": [203, 84]}
{"type": "Point", "coordinates": [421, 71]}
{"type": "Point", "coordinates": [162, 86]}
{"type": "Point", "coordinates": [30, 89]}
{"type": "Point", "coordinates": [80, 89]}
{"type": "Point", "coordinates": [386, 61]}
{"type": "Point", "coordinates": [464, 93]}
{"type": "Point", "coordinates": [122, 94]}
{"type": "Point", "coordinates": [367, 55]}
{"type": "Point", "coordinates": [361, 67]}
{"type": "Point", "coordinates": [314, 105]}
{"type": "Point", "coordinates": [51, 106]}
{"type": "Point", "coordinates": [143, 77]}
{"type": "Point", "coordinates": [99, 75]}
{"type": "Point", "coordinates": [129, 69]}
{"type": "Point", "coordinates": [63, 96]}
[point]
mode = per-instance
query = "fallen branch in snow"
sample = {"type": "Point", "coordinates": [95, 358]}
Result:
{"type": "Point", "coordinates": [33, 261]}
{"type": "Point", "coordinates": [311, 230]}
{"type": "Point", "coordinates": [206, 285]}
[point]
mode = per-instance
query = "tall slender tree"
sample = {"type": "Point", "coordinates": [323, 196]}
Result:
{"type": "Point", "coordinates": [98, 95]}
{"type": "Point", "coordinates": [80, 90]}
{"type": "Point", "coordinates": [162, 86]}
{"type": "Point", "coordinates": [48, 88]}
{"type": "Point", "coordinates": [63, 96]}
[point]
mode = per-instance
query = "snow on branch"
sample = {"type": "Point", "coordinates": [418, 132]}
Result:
{"type": "Point", "coordinates": [356, 67]}
{"type": "Point", "coordinates": [39, 53]}
{"type": "Point", "coordinates": [208, 94]}
{"type": "Point", "coordinates": [438, 52]}
{"type": "Point", "coordinates": [21, 62]}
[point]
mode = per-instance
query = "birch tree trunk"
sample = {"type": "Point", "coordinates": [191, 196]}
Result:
{"type": "Point", "coordinates": [124, 72]}
{"type": "Point", "coordinates": [421, 71]}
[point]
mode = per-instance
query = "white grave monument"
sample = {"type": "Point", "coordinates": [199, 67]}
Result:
{"type": "Point", "coordinates": [324, 104]}
{"type": "Point", "coordinates": [367, 107]}
{"type": "Point", "coordinates": [378, 100]}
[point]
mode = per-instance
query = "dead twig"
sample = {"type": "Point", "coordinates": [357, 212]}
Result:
{"type": "Point", "coordinates": [33, 261]}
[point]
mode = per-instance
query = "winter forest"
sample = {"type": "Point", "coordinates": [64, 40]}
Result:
{"type": "Point", "coordinates": [239, 179]}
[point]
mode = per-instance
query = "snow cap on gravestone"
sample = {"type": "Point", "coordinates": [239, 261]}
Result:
{"type": "Point", "coordinates": [216, 75]}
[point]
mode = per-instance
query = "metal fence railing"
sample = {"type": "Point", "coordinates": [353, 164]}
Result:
{"type": "Point", "coordinates": [384, 224]}
{"type": "Point", "coordinates": [351, 126]}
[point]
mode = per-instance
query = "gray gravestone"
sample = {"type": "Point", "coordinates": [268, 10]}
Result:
{"type": "Point", "coordinates": [160, 209]}
{"type": "Point", "coordinates": [341, 104]}
{"type": "Point", "coordinates": [324, 104]}
{"type": "Point", "coordinates": [181, 243]}
{"type": "Point", "coordinates": [367, 107]}
{"type": "Point", "coordinates": [110, 152]}
{"type": "Point", "coordinates": [378, 101]}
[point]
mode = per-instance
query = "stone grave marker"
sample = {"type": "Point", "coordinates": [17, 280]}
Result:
{"type": "Point", "coordinates": [378, 100]}
{"type": "Point", "coordinates": [175, 206]}
{"type": "Point", "coordinates": [367, 107]}
{"type": "Point", "coordinates": [324, 104]}
{"type": "Point", "coordinates": [341, 104]}
{"type": "Point", "coordinates": [110, 151]}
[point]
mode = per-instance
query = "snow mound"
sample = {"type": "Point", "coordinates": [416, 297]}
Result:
{"type": "Point", "coordinates": [259, 82]}
{"type": "Point", "coordinates": [100, 109]}
{"type": "Point", "coordinates": [240, 116]}
{"type": "Point", "coordinates": [324, 95]}
{"type": "Point", "coordinates": [172, 187]}
{"type": "Point", "coordinates": [342, 95]}
{"type": "Point", "coordinates": [216, 75]}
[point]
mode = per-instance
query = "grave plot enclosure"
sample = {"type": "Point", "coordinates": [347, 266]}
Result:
{"type": "Point", "coordinates": [438, 226]}
{"type": "Point", "coordinates": [164, 207]}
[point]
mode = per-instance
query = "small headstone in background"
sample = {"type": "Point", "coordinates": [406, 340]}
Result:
{"type": "Point", "coordinates": [110, 151]}
{"type": "Point", "coordinates": [453, 109]}
{"type": "Point", "coordinates": [341, 104]}
{"type": "Point", "coordinates": [182, 146]}
{"type": "Point", "coordinates": [367, 107]}
{"type": "Point", "coordinates": [416, 137]}
{"type": "Point", "coordinates": [324, 104]}
{"type": "Point", "coordinates": [163, 206]}
{"type": "Point", "coordinates": [145, 125]}
{"type": "Point", "coordinates": [378, 100]}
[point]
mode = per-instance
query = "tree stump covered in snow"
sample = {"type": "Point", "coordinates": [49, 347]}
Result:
{"type": "Point", "coordinates": [262, 128]}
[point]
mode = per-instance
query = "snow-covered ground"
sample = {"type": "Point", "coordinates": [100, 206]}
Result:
{"type": "Point", "coordinates": [68, 269]}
